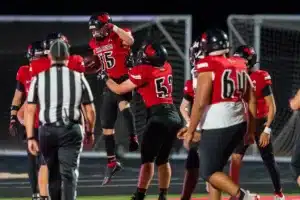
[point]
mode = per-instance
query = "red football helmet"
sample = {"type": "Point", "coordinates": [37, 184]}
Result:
{"type": "Point", "coordinates": [97, 25]}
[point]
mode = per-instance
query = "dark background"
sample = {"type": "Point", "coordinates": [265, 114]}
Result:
{"type": "Point", "coordinates": [206, 14]}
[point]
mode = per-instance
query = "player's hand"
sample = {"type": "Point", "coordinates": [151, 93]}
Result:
{"type": "Point", "coordinates": [197, 136]}
{"type": "Point", "coordinates": [107, 28]}
{"type": "Point", "coordinates": [33, 147]}
{"type": "Point", "coordinates": [102, 75]}
{"type": "Point", "coordinates": [264, 139]}
{"type": "Point", "coordinates": [13, 129]}
{"type": "Point", "coordinates": [188, 138]}
{"type": "Point", "coordinates": [181, 133]}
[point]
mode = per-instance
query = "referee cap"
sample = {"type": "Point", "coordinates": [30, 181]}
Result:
{"type": "Point", "coordinates": [59, 50]}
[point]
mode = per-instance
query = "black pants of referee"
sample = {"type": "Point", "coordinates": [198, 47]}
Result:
{"type": "Point", "coordinates": [61, 147]}
{"type": "Point", "coordinates": [295, 162]}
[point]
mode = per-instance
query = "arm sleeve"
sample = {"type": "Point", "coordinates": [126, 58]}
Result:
{"type": "Point", "coordinates": [32, 97]}
{"type": "Point", "coordinates": [20, 86]}
{"type": "Point", "coordinates": [267, 90]}
{"type": "Point", "coordinates": [137, 75]}
{"type": "Point", "coordinates": [87, 95]}
{"type": "Point", "coordinates": [188, 97]}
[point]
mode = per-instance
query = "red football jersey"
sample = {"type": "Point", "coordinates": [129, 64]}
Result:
{"type": "Point", "coordinates": [154, 84]}
{"type": "Point", "coordinates": [230, 82]}
{"type": "Point", "coordinates": [188, 89]}
{"type": "Point", "coordinates": [230, 77]}
{"type": "Point", "coordinates": [24, 76]}
{"type": "Point", "coordinates": [43, 64]}
{"type": "Point", "coordinates": [261, 79]}
{"type": "Point", "coordinates": [112, 54]}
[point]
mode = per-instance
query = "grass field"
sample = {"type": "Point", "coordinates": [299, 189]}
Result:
{"type": "Point", "coordinates": [170, 197]}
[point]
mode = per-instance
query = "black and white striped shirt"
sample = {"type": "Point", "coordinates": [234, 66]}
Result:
{"type": "Point", "coordinates": [59, 92]}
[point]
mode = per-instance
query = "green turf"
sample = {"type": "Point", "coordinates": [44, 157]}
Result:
{"type": "Point", "coordinates": [128, 197]}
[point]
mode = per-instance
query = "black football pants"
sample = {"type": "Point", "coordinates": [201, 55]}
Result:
{"type": "Point", "coordinates": [61, 147]}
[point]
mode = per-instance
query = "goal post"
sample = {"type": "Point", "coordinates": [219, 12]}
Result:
{"type": "Point", "coordinates": [276, 41]}
{"type": "Point", "coordinates": [173, 31]}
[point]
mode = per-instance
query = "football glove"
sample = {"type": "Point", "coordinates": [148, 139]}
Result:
{"type": "Point", "coordinates": [13, 129]}
{"type": "Point", "coordinates": [102, 75]}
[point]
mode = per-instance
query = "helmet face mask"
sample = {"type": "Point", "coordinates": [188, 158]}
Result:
{"type": "Point", "coordinates": [97, 25]}
{"type": "Point", "coordinates": [35, 50]}
{"type": "Point", "coordinates": [152, 54]}
{"type": "Point", "coordinates": [248, 53]}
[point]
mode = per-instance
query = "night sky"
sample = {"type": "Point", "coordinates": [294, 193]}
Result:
{"type": "Point", "coordinates": [208, 13]}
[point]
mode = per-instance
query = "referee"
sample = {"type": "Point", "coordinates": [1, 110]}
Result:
{"type": "Point", "coordinates": [59, 92]}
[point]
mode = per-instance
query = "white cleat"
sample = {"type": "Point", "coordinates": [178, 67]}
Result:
{"type": "Point", "coordinates": [279, 197]}
{"type": "Point", "coordinates": [250, 196]}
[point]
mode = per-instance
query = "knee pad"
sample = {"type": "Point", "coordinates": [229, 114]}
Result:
{"type": "Point", "coordinates": [192, 160]}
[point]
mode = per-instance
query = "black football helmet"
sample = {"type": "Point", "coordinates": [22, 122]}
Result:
{"type": "Point", "coordinates": [96, 25]}
{"type": "Point", "coordinates": [35, 50]}
{"type": "Point", "coordinates": [214, 40]}
{"type": "Point", "coordinates": [52, 37]}
{"type": "Point", "coordinates": [153, 54]}
{"type": "Point", "coordinates": [196, 52]}
{"type": "Point", "coordinates": [247, 52]}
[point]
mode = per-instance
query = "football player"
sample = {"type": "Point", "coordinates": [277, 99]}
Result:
{"type": "Point", "coordinates": [222, 86]}
{"type": "Point", "coordinates": [152, 76]}
{"type": "Point", "coordinates": [192, 162]}
{"type": "Point", "coordinates": [266, 109]}
{"type": "Point", "coordinates": [112, 45]}
{"type": "Point", "coordinates": [34, 51]}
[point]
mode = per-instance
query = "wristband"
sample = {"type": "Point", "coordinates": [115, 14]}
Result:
{"type": "Point", "coordinates": [14, 107]}
{"type": "Point", "coordinates": [115, 28]}
{"type": "Point", "coordinates": [267, 130]}
{"type": "Point", "coordinates": [31, 138]}
{"type": "Point", "coordinates": [13, 117]}
{"type": "Point", "coordinates": [187, 124]}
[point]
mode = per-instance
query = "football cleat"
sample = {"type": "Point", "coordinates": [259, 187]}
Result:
{"type": "Point", "coordinates": [279, 196]}
{"type": "Point", "coordinates": [110, 172]}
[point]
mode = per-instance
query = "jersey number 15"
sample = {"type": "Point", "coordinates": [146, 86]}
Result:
{"type": "Point", "coordinates": [230, 87]}
{"type": "Point", "coordinates": [163, 87]}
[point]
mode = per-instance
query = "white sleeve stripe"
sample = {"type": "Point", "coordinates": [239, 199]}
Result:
{"type": "Point", "coordinates": [268, 77]}
{"type": "Point", "coordinates": [87, 87]}
{"type": "Point", "coordinates": [32, 90]}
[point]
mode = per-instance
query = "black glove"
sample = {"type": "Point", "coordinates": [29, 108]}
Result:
{"type": "Point", "coordinates": [102, 75]}
{"type": "Point", "coordinates": [13, 129]}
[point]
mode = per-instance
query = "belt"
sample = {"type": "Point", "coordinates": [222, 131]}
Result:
{"type": "Point", "coordinates": [71, 123]}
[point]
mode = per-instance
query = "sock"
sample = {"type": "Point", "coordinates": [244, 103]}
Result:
{"type": "Point", "coordinates": [269, 161]}
{"type": "Point", "coordinates": [33, 173]}
{"type": "Point", "coordinates": [129, 120]}
{"type": "Point", "coordinates": [110, 146]}
{"type": "Point", "coordinates": [280, 194]}
{"type": "Point", "coordinates": [44, 198]}
{"type": "Point", "coordinates": [140, 193]}
{"type": "Point", "coordinates": [242, 194]}
{"type": "Point", "coordinates": [163, 191]}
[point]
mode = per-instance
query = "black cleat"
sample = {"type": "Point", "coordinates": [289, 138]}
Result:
{"type": "Point", "coordinates": [110, 172]}
{"type": "Point", "coordinates": [133, 143]}
{"type": "Point", "coordinates": [162, 197]}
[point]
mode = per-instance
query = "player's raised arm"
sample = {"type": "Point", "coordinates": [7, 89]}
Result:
{"type": "Point", "coordinates": [124, 34]}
